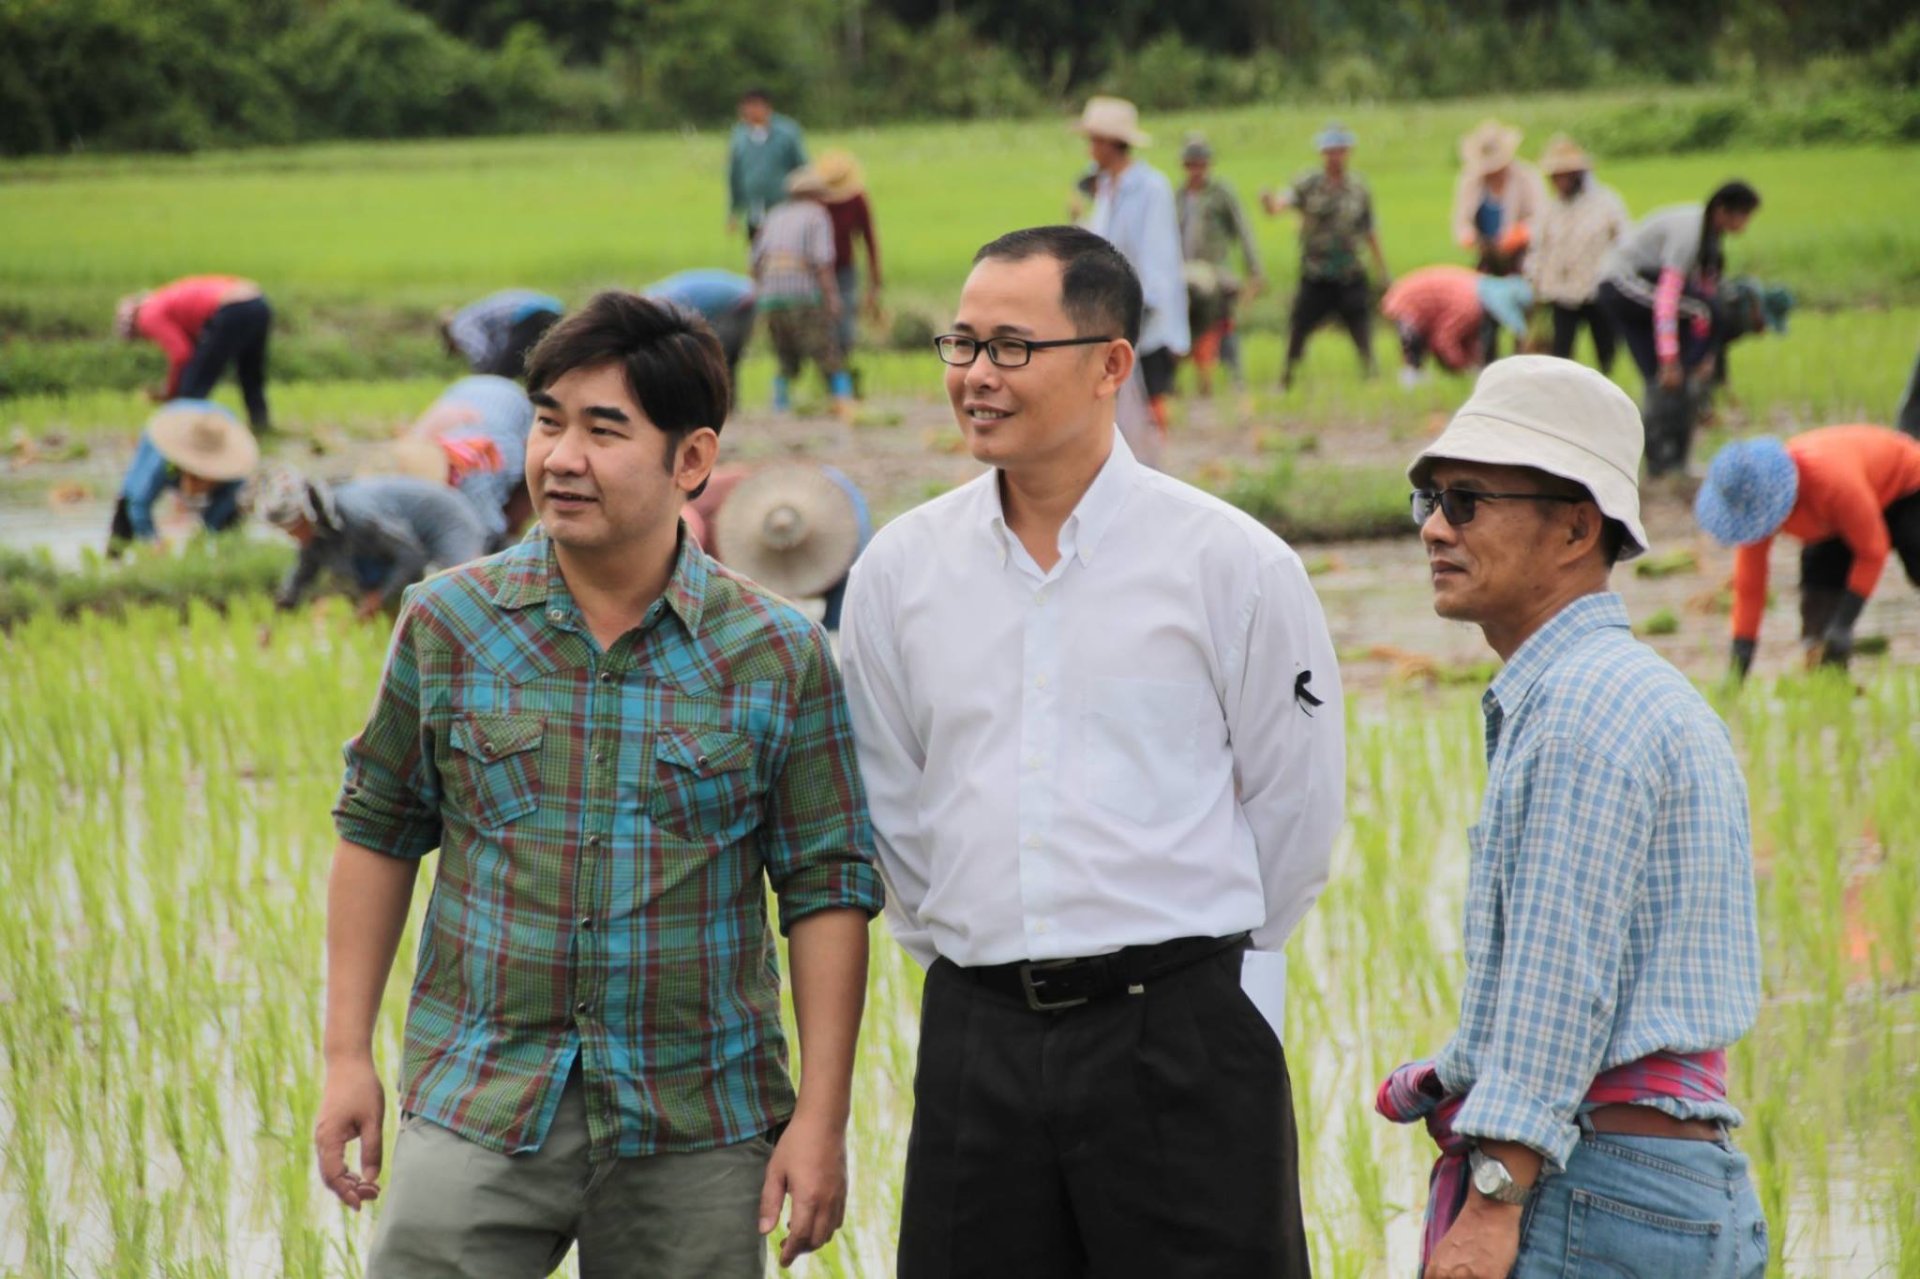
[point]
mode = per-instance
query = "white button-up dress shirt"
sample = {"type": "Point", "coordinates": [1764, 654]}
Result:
{"type": "Point", "coordinates": [1142, 743]}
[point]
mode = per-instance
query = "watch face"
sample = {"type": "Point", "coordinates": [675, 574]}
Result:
{"type": "Point", "coordinates": [1490, 1176]}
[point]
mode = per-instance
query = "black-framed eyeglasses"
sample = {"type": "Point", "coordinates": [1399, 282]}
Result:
{"type": "Point", "coordinates": [1006, 353]}
{"type": "Point", "coordinates": [1458, 504]}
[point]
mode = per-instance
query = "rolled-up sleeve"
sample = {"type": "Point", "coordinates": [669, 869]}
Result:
{"type": "Point", "coordinates": [818, 842]}
{"type": "Point", "coordinates": [1571, 866]}
{"type": "Point", "coordinates": [390, 798]}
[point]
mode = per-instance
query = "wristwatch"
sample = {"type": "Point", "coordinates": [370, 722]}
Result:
{"type": "Point", "coordinates": [1491, 1178]}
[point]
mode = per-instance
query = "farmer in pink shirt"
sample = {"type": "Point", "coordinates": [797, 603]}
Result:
{"type": "Point", "coordinates": [202, 322]}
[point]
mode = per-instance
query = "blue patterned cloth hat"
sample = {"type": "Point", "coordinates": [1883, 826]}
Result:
{"type": "Point", "coordinates": [1334, 135]}
{"type": "Point", "coordinates": [1749, 492]}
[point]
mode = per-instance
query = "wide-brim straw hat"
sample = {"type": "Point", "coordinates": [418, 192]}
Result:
{"type": "Point", "coordinates": [1115, 119]}
{"type": "Point", "coordinates": [1556, 416]}
{"type": "Point", "coordinates": [1750, 490]}
{"type": "Point", "coordinates": [204, 439]}
{"type": "Point", "coordinates": [791, 528]}
{"type": "Point", "coordinates": [1490, 147]}
{"type": "Point", "coordinates": [841, 172]}
{"type": "Point", "coordinates": [1563, 155]}
{"type": "Point", "coordinates": [418, 457]}
{"type": "Point", "coordinates": [805, 181]}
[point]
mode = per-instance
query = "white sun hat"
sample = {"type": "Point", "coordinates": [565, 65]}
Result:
{"type": "Point", "coordinates": [1113, 118]}
{"type": "Point", "coordinates": [1555, 416]}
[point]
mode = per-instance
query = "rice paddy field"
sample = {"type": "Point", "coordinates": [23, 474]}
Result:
{"type": "Point", "coordinates": [165, 779]}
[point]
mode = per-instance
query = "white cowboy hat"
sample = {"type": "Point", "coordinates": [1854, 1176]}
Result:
{"type": "Point", "coordinates": [1490, 147]}
{"type": "Point", "coordinates": [1555, 416]}
{"type": "Point", "coordinates": [204, 439]}
{"type": "Point", "coordinates": [791, 528]}
{"type": "Point", "coordinates": [1115, 119]}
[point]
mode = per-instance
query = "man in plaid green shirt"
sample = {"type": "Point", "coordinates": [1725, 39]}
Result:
{"type": "Point", "coordinates": [616, 746]}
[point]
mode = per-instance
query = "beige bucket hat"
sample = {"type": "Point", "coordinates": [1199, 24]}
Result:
{"type": "Point", "coordinates": [791, 528]}
{"type": "Point", "coordinates": [1563, 155]}
{"type": "Point", "coordinates": [1490, 147]}
{"type": "Point", "coordinates": [1555, 416]}
{"type": "Point", "coordinates": [1113, 118]}
{"type": "Point", "coordinates": [204, 439]}
{"type": "Point", "coordinates": [841, 172]}
{"type": "Point", "coordinates": [805, 181]}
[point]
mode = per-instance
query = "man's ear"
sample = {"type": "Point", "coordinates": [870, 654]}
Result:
{"type": "Point", "coordinates": [695, 461]}
{"type": "Point", "coordinates": [1116, 369]}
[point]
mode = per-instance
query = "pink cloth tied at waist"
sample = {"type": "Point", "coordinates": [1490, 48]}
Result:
{"type": "Point", "coordinates": [1414, 1092]}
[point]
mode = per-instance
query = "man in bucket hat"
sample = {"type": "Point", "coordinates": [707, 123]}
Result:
{"type": "Point", "coordinates": [195, 447]}
{"type": "Point", "coordinates": [1212, 226]}
{"type": "Point", "coordinates": [1612, 950]}
{"type": "Point", "coordinates": [1850, 494]}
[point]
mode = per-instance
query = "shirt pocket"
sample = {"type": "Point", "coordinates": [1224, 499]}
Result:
{"type": "Point", "coordinates": [493, 769]}
{"type": "Point", "coordinates": [1145, 742]}
{"type": "Point", "coordinates": [703, 783]}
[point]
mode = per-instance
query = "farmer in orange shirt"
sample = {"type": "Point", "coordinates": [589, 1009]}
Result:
{"type": "Point", "coordinates": [1851, 494]}
{"type": "Point", "coordinates": [202, 323]}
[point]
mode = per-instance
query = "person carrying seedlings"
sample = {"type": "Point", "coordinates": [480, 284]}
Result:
{"type": "Point", "coordinates": [474, 437]}
{"type": "Point", "coordinates": [196, 448]}
{"type": "Point", "coordinates": [1849, 494]}
{"type": "Point", "coordinates": [852, 214]}
{"type": "Point", "coordinates": [1576, 227]}
{"type": "Point", "coordinates": [796, 289]}
{"type": "Point", "coordinates": [1444, 311]}
{"type": "Point", "coordinates": [494, 334]}
{"type": "Point", "coordinates": [1212, 226]}
{"type": "Point", "coordinates": [1496, 199]}
{"type": "Point", "coordinates": [1612, 951]}
{"type": "Point", "coordinates": [723, 299]}
{"type": "Point", "coordinates": [1133, 208]}
{"type": "Point", "coordinates": [764, 148]}
{"type": "Point", "coordinates": [1100, 723]}
{"type": "Point", "coordinates": [1336, 218]}
{"type": "Point", "coordinates": [1658, 286]}
{"type": "Point", "coordinates": [617, 748]}
{"type": "Point", "coordinates": [203, 323]}
{"type": "Point", "coordinates": [379, 535]}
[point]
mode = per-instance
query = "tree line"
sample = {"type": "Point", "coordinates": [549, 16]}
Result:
{"type": "Point", "coordinates": [181, 75]}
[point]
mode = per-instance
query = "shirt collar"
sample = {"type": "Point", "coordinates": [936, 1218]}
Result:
{"type": "Point", "coordinates": [1092, 514]}
{"type": "Point", "coordinates": [1589, 613]}
{"type": "Point", "coordinates": [533, 577]}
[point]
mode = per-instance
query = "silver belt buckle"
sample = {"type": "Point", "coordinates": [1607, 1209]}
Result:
{"type": "Point", "coordinates": [1035, 1000]}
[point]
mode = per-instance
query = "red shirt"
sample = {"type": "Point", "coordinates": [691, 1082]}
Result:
{"type": "Point", "coordinates": [172, 317]}
{"type": "Point", "coordinates": [851, 215]}
{"type": "Point", "coordinates": [1442, 305]}
{"type": "Point", "coordinates": [1849, 476]}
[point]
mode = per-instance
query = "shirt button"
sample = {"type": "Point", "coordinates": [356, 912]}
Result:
{"type": "Point", "coordinates": [1042, 928]}
{"type": "Point", "coordinates": [1033, 841]}
{"type": "Point", "coordinates": [555, 615]}
{"type": "Point", "coordinates": [606, 677]}
{"type": "Point", "coordinates": [1039, 597]}
{"type": "Point", "coordinates": [486, 748]}
{"type": "Point", "coordinates": [1040, 681]}
{"type": "Point", "coordinates": [593, 841]}
{"type": "Point", "coordinates": [700, 762]}
{"type": "Point", "coordinates": [599, 757]}
{"type": "Point", "coordinates": [581, 1008]}
{"type": "Point", "coordinates": [1033, 761]}
{"type": "Point", "coordinates": [586, 922]}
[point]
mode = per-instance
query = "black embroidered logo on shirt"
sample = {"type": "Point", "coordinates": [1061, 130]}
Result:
{"type": "Point", "coordinates": [1304, 695]}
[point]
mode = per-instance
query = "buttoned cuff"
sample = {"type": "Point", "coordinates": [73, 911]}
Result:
{"type": "Point", "coordinates": [1502, 1108]}
{"type": "Point", "coordinates": [848, 885]}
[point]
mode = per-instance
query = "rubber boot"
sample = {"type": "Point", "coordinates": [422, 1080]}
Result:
{"type": "Point", "coordinates": [782, 394]}
{"type": "Point", "coordinates": [1669, 422]}
{"type": "Point", "coordinates": [841, 384]}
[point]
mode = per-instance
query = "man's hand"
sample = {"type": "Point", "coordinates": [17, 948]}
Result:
{"type": "Point", "coordinates": [352, 1108]}
{"type": "Point", "coordinates": [809, 1166]}
{"type": "Point", "coordinates": [1670, 377]}
{"type": "Point", "coordinates": [1482, 1243]}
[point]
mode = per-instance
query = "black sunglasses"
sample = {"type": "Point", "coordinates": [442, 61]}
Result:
{"type": "Point", "coordinates": [1458, 504]}
{"type": "Point", "coordinates": [1006, 353]}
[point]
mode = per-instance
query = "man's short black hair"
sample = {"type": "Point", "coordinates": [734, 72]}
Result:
{"type": "Point", "coordinates": [675, 368]}
{"type": "Point", "coordinates": [756, 94]}
{"type": "Point", "coordinates": [1098, 289]}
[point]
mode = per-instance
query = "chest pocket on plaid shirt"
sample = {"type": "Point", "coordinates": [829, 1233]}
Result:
{"type": "Point", "coordinates": [702, 783]}
{"type": "Point", "coordinates": [493, 769]}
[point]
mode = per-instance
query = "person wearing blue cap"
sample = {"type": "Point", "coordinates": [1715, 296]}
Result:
{"type": "Point", "coordinates": [1336, 217]}
{"type": "Point", "coordinates": [1850, 494]}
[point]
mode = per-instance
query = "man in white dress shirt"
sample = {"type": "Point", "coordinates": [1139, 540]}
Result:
{"type": "Point", "coordinates": [1100, 723]}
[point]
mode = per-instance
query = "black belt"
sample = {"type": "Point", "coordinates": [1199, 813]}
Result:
{"type": "Point", "coordinates": [1054, 985]}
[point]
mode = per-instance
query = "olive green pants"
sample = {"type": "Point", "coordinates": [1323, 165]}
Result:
{"type": "Point", "coordinates": [459, 1210]}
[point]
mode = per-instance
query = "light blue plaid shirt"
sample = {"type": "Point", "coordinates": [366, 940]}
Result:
{"type": "Point", "coordinates": [1610, 908]}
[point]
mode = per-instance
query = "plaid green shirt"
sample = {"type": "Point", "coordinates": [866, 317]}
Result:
{"type": "Point", "coordinates": [604, 821]}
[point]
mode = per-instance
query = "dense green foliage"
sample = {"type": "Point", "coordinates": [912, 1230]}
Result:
{"type": "Point", "coordinates": [190, 74]}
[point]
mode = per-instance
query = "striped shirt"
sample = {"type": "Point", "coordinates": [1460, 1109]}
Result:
{"type": "Point", "coordinates": [608, 824]}
{"type": "Point", "coordinates": [1610, 906]}
{"type": "Point", "coordinates": [794, 244]}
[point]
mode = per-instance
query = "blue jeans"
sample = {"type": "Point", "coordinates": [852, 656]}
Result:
{"type": "Point", "coordinates": [1645, 1208]}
